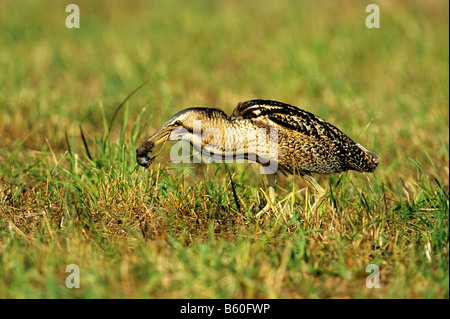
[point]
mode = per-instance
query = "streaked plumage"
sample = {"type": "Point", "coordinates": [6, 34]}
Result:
{"type": "Point", "coordinates": [306, 143]}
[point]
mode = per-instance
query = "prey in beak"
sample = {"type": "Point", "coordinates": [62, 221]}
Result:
{"type": "Point", "coordinates": [142, 157]}
{"type": "Point", "coordinates": [142, 152]}
{"type": "Point", "coordinates": [160, 136]}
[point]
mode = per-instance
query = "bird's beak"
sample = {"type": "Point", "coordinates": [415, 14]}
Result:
{"type": "Point", "coordinates": [146, 147]}
{"type": "Point", "coordinates": [160, 136]}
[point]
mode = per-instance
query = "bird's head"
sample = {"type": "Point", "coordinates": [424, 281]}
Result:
{"type": "Point", "coordinates": [178, 127]}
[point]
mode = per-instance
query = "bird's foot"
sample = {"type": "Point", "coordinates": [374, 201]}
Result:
{"type": "Point", "coordinates": [270, 206]}
{"type": "Point", "coordinates": [320, 198]}
{"type": "Point", "coordinates": [265, 210]}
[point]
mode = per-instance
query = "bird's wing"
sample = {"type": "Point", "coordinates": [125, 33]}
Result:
{"type": "Point", "coordinates": [285, 116]}
{"type": "Point", "coordinates": [293, 121]}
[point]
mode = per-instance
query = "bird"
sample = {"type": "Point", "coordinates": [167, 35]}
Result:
{"type": "Point", "coordinates": [283, 138]}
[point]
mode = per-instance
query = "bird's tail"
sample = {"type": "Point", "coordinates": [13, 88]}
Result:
{"type": "Point", "coordinates": [367, 161]}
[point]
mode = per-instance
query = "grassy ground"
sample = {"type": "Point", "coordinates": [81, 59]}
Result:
{"type": "Point", "coordinates": [71, 192]}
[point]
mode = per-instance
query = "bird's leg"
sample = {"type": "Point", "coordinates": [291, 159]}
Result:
{"type": "Point", "coordinates": [320, 191]}
{"type": "Point", "coordinates": [270, 195]}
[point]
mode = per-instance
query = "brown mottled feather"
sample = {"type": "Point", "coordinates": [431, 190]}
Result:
{"type": "Point", "coordinates": [307, 143]}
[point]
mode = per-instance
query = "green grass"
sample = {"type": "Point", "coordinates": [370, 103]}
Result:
{"type": "Point", "coordinates": [71, 191]}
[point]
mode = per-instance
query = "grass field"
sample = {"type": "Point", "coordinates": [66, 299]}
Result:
{"type": "Point", "coordinates": [72, 193]}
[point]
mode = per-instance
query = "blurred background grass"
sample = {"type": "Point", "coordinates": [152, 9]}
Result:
{"type": "Point", "coordinates": [317, 55]}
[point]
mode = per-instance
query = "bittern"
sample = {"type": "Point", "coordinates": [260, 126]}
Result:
{"type": "Point", "coordinates": [304, 143]}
